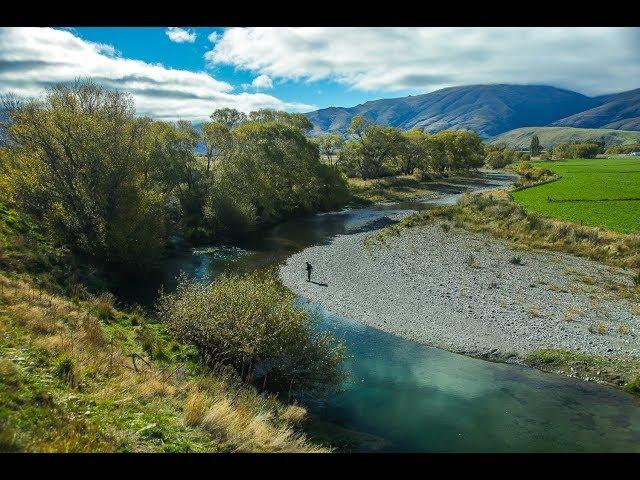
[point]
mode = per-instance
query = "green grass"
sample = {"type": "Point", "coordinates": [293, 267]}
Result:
{"type": "Point", "coordinates": [597, 192]}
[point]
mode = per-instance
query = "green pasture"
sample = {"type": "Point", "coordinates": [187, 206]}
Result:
{"type": "Point", "coordinates": [602, 192]}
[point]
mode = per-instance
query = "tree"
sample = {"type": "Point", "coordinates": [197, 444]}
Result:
{"type": "Point", "coordinates": [271, 171]}
{"type": "Point", "coordinates": [179, 173]}
{"type": "Point", "coordinates": [298, 120]}
{"type": "Point", "coordinates": [463, 149]}
{"type": "Point", "coordinates": [499, 156]}
{"type": "Point", "coordinates": [79, 160]}
{"type": "Point", "coordinates": [379, 144]}
{"type": "Point", "coordinates": [358, 126]}
{"type": "Point", "coordinates": [330, 144]}
{"type": "Point", "coordinates": [412, 151]}
{"type": "Point", "coordinates": [216, 138]}
{"type": "Point", "coordinates": [535, 146]}
{"type": "Point", "coordinates": [577, 150]}
{"type": "Point", "coordinates": [229, 117]}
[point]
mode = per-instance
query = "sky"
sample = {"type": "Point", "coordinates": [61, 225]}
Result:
{"type": "Point", "coordinates": [186, 73]}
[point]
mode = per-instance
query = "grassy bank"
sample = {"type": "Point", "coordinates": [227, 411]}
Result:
{"type": "Point", "coordinates": [80, 375]}
{"type": "Point", "coordinates": [596, 192]}
{"type": "Point", "coordinates": [503, 218]}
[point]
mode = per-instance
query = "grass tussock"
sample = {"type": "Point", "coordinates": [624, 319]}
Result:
{"type": "Point", "coordinates": [84, 376]}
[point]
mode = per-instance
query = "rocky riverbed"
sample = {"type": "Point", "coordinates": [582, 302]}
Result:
{"type": "Point", "coordinates": [471, 293]}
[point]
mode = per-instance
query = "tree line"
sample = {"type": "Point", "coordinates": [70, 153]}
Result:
{"type": "Point", "coordinates": [117, 188]}
{"type": "Point", "coordinates": [373, 151]}
{"type": "Point", "coordinates": [574, 150]}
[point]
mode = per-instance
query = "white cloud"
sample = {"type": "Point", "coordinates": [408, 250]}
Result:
{"type": "Point", "coordinates": [589, 60]}
{"type": "Point", "coordinates": [180, 35]}
{"type": "Point", "coordinates": [262, 82]}
{"type": "Point", "coordinates": [32, 59]}
{"type": "Point", "coordinates": [213, 37]}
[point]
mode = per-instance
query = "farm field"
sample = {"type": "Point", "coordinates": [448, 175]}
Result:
{"type": "Point", "coordinates": [603, 192]}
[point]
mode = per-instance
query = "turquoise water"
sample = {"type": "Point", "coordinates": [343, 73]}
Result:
{"type": "Point", "coordinates": [422, 399]}
{"type": "Point", "coordinates": [409, 397]}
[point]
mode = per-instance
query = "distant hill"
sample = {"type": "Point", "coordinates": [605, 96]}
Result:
{"type": "Point", "coordinates": [487, 109]}
{"type": "Point", "coordinates": [620, 111]}
{"type": "Point", "coordinates": [520, 138]}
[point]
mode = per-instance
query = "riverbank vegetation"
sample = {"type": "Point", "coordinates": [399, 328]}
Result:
{"type": "Point", "coordinates": [374, 151]}
{"type": "Point", "coordinates": [251, 324]}
{"type": "Point", "coordinates": [115, 188]}
{"type": "Point", "coordinates": [394, 189]}
{"type": "Point", "coordinates": [499, 156]}
{"type": "Point", "coordinates": [503, 218]}
{"type": "Point", "coordinates": [88, 188]}
{"type": "Point", "coordinates": [614, 371]}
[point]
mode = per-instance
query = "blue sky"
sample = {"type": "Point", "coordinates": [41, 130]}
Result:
{"type": "Point", "coordinates": [153, 45]}
{"type": "Point", "coordinates": [185, 73]}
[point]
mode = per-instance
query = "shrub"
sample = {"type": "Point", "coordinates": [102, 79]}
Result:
{"type": "Point", "coordinates": [102, 306]}
{"type": "Point", "coordinates": [92, 331]}
{"type": "Point", "coordinates": [152, 343]}
{"type": "Point", "coordinates": [294, 414]}
{"type": "Point", "coordinates": [623, 330]}
{"type": "Point", "coordinates": [250, 322]}
{"type": "Point", "coordinates": [576, 150]}
{"type": "Point", "coordinates": [195, 409]}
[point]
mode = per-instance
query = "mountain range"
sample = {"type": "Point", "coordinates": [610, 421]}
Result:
{"type": "Point", "coordinates": [490, 110]}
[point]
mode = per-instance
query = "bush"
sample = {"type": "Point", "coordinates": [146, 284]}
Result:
{"type": "Point", "coordinates": [618, 149]}
{"type": "Point", "coordinates": [250, 323]}
{"type": "Point", "coordinates": [576, 150]}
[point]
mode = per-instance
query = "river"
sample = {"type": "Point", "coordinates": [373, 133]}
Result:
{"type": "Point", "coordinates": [405, 396]}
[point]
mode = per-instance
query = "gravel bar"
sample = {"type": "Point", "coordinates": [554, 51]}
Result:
{"type": "Point", "coordinates": [466, 293]}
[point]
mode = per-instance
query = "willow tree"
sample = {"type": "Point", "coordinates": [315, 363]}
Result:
{"type": "Point", "coordinates": [78, 163]}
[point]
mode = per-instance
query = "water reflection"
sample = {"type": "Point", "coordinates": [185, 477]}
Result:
{"type": "Point", "coordinates": [424, 399]}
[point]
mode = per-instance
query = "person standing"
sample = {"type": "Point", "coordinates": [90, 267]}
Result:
{"type": "Point", "coordinates": [309, 268]}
